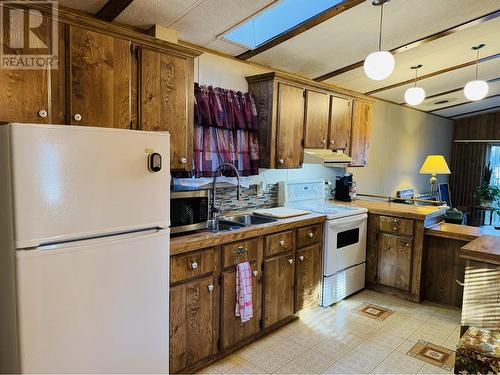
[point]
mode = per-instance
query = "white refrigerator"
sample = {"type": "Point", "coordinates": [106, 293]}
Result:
{"type": "Point", "coordinates": [84, 250]}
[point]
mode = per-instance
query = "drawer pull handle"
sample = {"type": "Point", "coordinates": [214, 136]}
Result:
{"type": "Point", "coordinates": [311, 234]}
{"type": "Point", "coordinates": [194, 265]}
{"type": "Point", "coordinates": [282, 243]}
{"type": "Point", "coordinates": [255, 273]}
{"type": "Point", "coordinates": [290, 261]}
{"type": "Point", "coordinates": [301, 258]}
{"type": "Point", "coordinates": [210, 288]}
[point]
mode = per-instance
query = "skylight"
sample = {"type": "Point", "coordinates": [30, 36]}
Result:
{"type": "Point", "coordinates": [275, 20]}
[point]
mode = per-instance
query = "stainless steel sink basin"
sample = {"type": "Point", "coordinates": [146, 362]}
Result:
{"type": "Point", "coordinates": [237, 221]}
{"type": "Point", "coordinates": [248, 220]}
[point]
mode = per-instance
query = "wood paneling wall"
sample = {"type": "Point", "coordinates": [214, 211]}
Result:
{"type": "Point", "coordinates": [469, 158]}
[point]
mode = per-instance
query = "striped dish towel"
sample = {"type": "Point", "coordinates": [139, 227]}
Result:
{"type": "Point", "coordinates": [244, 307]}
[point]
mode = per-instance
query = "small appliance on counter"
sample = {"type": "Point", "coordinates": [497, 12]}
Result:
{"type": "Point", "coordinates": [189, 210]}
{"type": "Point", "coordinates": [344, 188]}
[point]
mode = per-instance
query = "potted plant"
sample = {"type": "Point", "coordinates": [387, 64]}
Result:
{"type": "Point", "coordinates": [487, 195]}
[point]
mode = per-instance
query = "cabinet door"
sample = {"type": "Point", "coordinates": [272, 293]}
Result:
{"type": "Point", "coordinates": [278, 288]}
{"type": "Point", "coordinates": [166, 89]}
{"type": "Point", "coordinates": [361, 129]}
{"type": "Point", "coordinates": [309, 270]}
{"type": "Point", "coordinates": [100, 79]}
{"type": "Point", "coordinates": [290, 126]}
{"type": "Point", "coordinates": [192, 321]}
{"type": "Point", "coordinates": [394, 261]}
{"type": "Point", "coordinates": [340, 123]}
{"type": "Point", "coordinates": [233, 330]}
{"type": "Point", "coordinates": [33, 96]}
{"type": "Point", "coordinates": [316, 126]}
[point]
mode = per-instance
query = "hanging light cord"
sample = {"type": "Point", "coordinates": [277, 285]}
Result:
{"type": "Point", "coordinates": [380, 28]}
{"type": "Point", "coordinates": [477, 61]}
{"type": "Point", "coordinates": [416, 70]}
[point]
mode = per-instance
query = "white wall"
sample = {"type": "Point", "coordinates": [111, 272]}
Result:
{"type": "Point", "coordinates": [400, 139]}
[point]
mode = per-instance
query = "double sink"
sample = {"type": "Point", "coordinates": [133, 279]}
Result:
{"type": "Point", "coordinates": [237, 222]}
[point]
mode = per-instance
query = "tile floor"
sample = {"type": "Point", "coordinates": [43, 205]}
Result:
{"type": "Point", "coordinates": [338, 340]}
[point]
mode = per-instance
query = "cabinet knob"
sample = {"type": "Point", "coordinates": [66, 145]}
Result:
{"type": "Point", "coordinates": [301, 258]}
{"type": "Point", "coordinates": [395, 229]}
{"type": "Point", "coordinates": [281, 161]}
{"type": "Point", "coordinates": [395, 221]}
{"type": "Point", "coordinates": [210, 287]}
{"type": "Point", "coordinates": [241, 249]}
{"type": "Point", "coordinates": [77, 117]}
{"type": "Point", "coordinates": [311, 234]}
{"type": "Point", "coordinates": [290, 261]}
{"type": "Point", "coordinates": [332, 141]}
{"type": "Point", "coordinates": [183, 160]}
{"type": "Point", "coordinates": [282, 243]}
{"type": "Point", "coordinates": [255, 273]}
{"type": "Point", "coordinates": [42, 113]}
{"type": "Point", "coordinates": [194, 265]}
{"type": "Point", "coordinates": [323, 141]}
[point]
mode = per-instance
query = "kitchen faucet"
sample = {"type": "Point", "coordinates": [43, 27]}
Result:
{"type": "Point", "coordinates": [219, 168]}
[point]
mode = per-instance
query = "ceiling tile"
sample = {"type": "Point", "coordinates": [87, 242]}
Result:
{"type": "Point", "coordinates": [469, 107]}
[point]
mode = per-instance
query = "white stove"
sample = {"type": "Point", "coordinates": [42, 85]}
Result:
{"type": "Point", "coordinates": [344, 241]}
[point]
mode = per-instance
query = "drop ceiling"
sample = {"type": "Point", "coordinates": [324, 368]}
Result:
{"type": "Point", "coordinates": [346, 39]}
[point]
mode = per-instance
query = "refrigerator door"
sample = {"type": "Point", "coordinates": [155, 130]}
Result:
{"type": "Point", "coordinates": [95, 306]}
{"type": "Point", "coordinates": [72, 182]}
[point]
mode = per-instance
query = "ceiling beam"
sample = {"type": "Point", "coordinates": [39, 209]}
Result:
{"type": "Point", "coordinates": [300, 28]}
{"type": "Point", "coordinates": [433, 74]}
{"type": "Point", "coordinates": [112, 9]}
{"type": "Point", "coordinates": [416, 43]}
{"type": "Point", "coordinates": [494, 80]}
{"type": "Point", "coordinates": [461, 104]}
{"type": "Point", "coordinates": [478, 111]}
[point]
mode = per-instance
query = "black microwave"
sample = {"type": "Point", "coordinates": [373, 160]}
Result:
{"type": "Point", "coordinates": [188, 210]}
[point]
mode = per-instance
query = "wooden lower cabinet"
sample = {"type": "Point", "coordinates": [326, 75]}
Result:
{"type": "Point", "coordinates": [278, 288]}
{"type": "Point", "coordinates": [308, 268]}
{"type": "Point", "coordinates": [232, 329]}
{"type": "Point", "coordinates": [193, 334]}
{"type": "Point", "coordinates": [394, 261]}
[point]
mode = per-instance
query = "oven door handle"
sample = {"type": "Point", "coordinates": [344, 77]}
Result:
{"type": "Point", "coordinates": [339, 224]}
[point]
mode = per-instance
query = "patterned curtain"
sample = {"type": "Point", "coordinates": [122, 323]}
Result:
{"type": "Point", "coordinates": [225, 131]}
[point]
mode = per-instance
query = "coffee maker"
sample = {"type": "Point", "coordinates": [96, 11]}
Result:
{"type": "Point", "coordinates": [343, 187]}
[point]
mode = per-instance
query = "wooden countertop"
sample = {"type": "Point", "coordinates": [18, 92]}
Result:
{"type": "Point", "coordinates": [483, 249]}
{"type": "Point", "coordinates": [408, 211]}
{"type": "Point", "coordinates": [460, 232]}
{"type": "Point", "coordinates": [199, 240]}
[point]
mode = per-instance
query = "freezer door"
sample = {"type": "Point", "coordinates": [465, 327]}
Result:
{"type": "Point", "coordinates": [95, 306]}
{"type": "Point", "coordinates": [73, 182]}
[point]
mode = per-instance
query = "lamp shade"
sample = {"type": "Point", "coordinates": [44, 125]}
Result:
{"type": "Point", "coordinates": [435, 164]}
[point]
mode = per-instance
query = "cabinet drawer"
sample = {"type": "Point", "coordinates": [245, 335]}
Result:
{"type": "Point", "coordinates": [278, 243]}
{"type": "Point", "coordinates": [241, 251]}
{"type": "Point", "coordinates": [396, 225]}
{"type": "Point", "coordinates": [308, 235]}
{"type": "Point", "coordinates": [183, 267]}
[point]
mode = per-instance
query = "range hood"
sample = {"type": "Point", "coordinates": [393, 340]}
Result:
{"type": "Point", "coordinates": [327, 158]}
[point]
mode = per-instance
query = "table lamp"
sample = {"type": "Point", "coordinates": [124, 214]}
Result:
{"type": "Point", "coordinates": [433, 165]}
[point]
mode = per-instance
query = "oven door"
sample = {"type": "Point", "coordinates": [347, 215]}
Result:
{"type": "Point", "coordinates": [345, 243]}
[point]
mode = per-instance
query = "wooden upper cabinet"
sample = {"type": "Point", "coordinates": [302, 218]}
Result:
{"type": "Point", "coordinates": [340, 123]}
{"type": "Point", "coordinates": [360, 134]}
{"type": "Point", "coordinates": [33, 95]}
{"type": "Point", "coordinates": [316, 119]}
{"type": "Point", "coordinates": [290, 126]}
{"type": "Point", "coordinates": [166, 91]}
{"type": "Point", "coordinates": [394, 261]}
{"type": "Point", "coordinates": [99, 76]}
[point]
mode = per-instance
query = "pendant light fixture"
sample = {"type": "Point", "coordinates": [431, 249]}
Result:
{"type": "Point", "coordinates": [415, 95]}
{"type": "Point", "coordinates": [380, 64]}
{"type": "Point", "coordinates": [476, 89]}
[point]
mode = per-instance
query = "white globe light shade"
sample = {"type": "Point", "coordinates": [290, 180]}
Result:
{"type": "Point", "coordinates": [414, 95]}
{"type": "Point", "coordinates": [379, 65]}
{"type": "Point", "coordinates": [476, 90]}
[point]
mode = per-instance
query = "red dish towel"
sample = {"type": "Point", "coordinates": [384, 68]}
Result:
{"type": "Point", "coordinates": [244, 307]}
